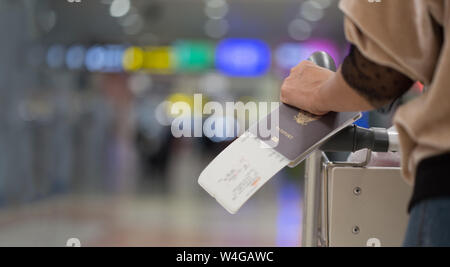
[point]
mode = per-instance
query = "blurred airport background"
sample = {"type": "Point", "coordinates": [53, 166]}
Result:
{"type": "Point", "coordinates": [85, 144]}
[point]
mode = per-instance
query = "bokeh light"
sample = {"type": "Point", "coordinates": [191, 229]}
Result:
{"type": "Point", "coordinates": [243, 57]}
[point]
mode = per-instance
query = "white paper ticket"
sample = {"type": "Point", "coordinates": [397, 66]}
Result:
{"type": "Point", "coordinates": [240, 170]}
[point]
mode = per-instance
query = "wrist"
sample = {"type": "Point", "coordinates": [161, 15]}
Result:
{"type": "Point", "coordinates": [321, 98]}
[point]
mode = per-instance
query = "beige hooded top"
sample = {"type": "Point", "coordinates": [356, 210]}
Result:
{"type": "Point", "coordinates": [409, 36]}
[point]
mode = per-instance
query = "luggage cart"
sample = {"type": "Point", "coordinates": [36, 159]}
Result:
{"type": "Point", "coordinates": [350, 203]}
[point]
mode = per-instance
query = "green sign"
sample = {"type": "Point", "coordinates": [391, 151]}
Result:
{"type": "Point", "coordinates": [193, 55]}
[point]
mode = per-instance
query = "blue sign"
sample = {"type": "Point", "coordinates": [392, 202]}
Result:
{"type": "Point", "coordinates": [75, 57]}
{"type": "Point", "coordinates": [243, 57]}
{"type": "Point", "coordinates": [113, 58]}
{"type": "Point", "coordinates": [95, 58]}
{"type": "Point", "coordinates": [105, 58]}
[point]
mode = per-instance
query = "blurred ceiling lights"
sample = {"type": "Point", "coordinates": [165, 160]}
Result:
{"type": "Point", "coordinates": [128, 16]}
{"type": "Point", "coordinates": [216, 26]}
{"type": "Point", "coordinates": [216, 9]}
{"type": "Point", "coordinates": [300, 28]}
{"type": "Point", "coordinates": [119, 8]}
{"type": "Point", "coordinates": [132, 24]}
{"type": "Point", "coordinates": [311, 10]}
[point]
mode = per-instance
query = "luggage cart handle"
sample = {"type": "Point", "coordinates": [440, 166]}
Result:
{"type": "Point", "coordinates": [354, 138]}
{"type": "Point", "coordinates": [323, 59]}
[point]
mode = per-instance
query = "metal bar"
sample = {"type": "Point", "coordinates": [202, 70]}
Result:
{"type": "Point", "coordinates": [311, 204]}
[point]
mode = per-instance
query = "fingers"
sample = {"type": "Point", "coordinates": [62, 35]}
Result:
{"type": "Point", "coordinates": [285, 94]}
{"type": "Point", "coordinates": [291, 94]}
{"type": "Point", "coordinates": [302, 66]}
{"type": "Point", "coordinates": [301, 87]}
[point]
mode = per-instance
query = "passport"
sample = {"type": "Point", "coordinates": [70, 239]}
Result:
{"type": "Point", "coordinates": [300, 132]}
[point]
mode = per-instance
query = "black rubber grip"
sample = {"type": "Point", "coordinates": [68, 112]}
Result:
{"type": "Point", "coordinates": [354, 138]}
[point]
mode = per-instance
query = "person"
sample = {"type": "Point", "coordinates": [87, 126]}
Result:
{"type": "Point", "coordinates": [393, 45]}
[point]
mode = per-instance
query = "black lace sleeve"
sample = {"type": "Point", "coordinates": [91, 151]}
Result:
{"type": "Point", "coordinates": [380, 85]}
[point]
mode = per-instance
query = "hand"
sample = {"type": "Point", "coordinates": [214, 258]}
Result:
{"type": "Point", "coordinates": [302, 88]}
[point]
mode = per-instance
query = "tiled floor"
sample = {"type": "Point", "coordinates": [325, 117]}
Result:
{"type": "Point", "coordinates": [139, 221]}
{"type": "Point", "coordinates": [179, 214]}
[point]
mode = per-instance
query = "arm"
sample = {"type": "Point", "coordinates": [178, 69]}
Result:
{"type": "Point", "coordinates": [358, 85]}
